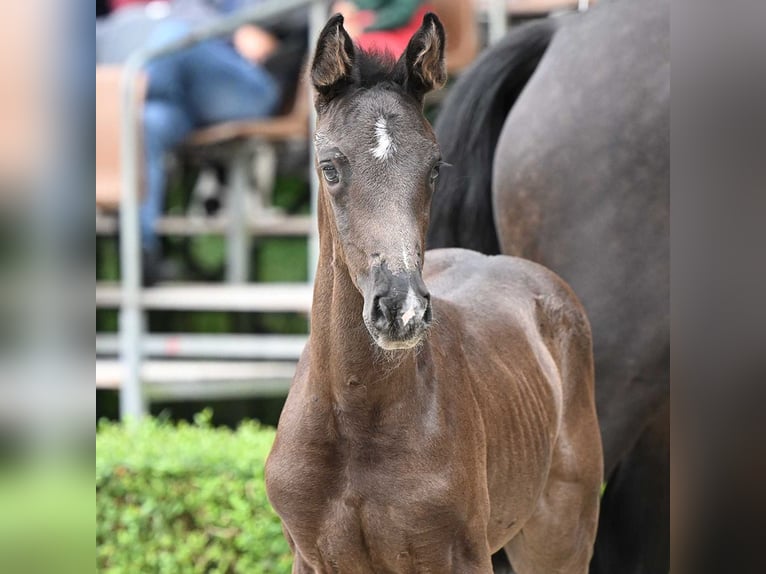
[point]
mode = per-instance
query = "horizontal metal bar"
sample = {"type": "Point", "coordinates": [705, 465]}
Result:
{"type": "Point", "coordinates": [110, 373]}
{"type": "Point", "coordinates": [196, 380]}
{"type": "Point", "coordinates": [287, 226]}
{"type": "Point", "coordinates": [256, 298]}
{"type": "Point", "coordinates": [218, 390]}
{"type": "Point", "coordinates": [277, 347]}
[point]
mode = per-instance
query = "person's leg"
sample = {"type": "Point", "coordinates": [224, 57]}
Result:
{"type": "Point", "coordinates": [165, 123]}
{"type": "Point", "coordinates": [215, 83]}
{"type": "Point", "coordinates": [205, 84]}
{"type": "Point", "coordinates": [165, 126]}
{"type": "Point", "coordinates": [166, 74]}
{"type": "Point", "coordinates": [222, 86]}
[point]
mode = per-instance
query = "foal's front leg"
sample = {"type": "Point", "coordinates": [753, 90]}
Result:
{"type": "Point", "coordinates": [469, 557]}
{"type": "Point", "coordinates": [481, 567]}
{"type": "Point", "coordinates": [300, 566]}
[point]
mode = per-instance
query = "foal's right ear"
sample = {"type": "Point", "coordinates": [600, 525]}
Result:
{"type": "Point", "coordinates": [333, 58]}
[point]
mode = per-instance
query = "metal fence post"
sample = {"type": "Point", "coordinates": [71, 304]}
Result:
{"type": "Point", "coordinates": [237, 239]}
{"type": "Point", "coordinates": [497, 20]}
{"type": "Point", "coordinates": [132, 403]}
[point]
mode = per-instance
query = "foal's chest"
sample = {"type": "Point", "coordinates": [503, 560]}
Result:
{"type": "Point", "coordinates": [400, 513]}
{"type": "Point", "coordinates": [397, 534]}
{"type": "Point", "coordinates": [400, 526]}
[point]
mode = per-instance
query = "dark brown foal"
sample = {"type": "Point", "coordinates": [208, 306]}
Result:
{"type": "Point", "coordinates": [443, 408]}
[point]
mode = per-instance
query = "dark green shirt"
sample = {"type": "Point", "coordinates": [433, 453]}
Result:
{"type": "Point", "coordinates": [389, 14]}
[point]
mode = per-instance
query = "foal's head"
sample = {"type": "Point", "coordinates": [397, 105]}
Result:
{"type": "Point", "coordinates": [377, 162]}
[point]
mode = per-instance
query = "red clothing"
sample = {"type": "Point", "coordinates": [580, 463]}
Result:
{"type": "Point", "coordinates": [115, 4]}
{"type": "Point", "coordinates": [394, 41]}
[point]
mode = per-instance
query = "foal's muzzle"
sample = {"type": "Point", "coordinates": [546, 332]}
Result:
{"type": "Point", "coordinates": [397, 308]}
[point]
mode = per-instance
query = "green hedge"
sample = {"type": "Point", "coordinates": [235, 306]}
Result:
{"type": "Point", "coordinates": [185, 498]}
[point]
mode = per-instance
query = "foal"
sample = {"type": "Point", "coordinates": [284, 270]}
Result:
{"type": "Point", "coordinates": [427, 426]}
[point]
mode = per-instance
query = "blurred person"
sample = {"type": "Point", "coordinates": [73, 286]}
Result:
{"type": "Point", "coordinates": [117, 4]}
{"type": "Point", "coordinates": [382, 25]}
{"type": "Point", "coordinates": [244, 77]}
{"type": "Point", "coordinates": [102, 8]}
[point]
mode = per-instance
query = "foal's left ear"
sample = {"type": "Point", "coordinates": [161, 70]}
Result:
{"type": "Point", "coordinates": [423, 60]}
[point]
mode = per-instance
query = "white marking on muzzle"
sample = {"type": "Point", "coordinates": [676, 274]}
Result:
{"type": "Point", "coordinates": [411, 307]}
{"type": "Point", "coordinates": [385, 147]}
{"type": "Point", "coordinates": [405, 259]}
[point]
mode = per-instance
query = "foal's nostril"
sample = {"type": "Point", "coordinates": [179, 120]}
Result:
{"type": "Point", "coordinates": [377, 311]}
{"type": "Point", "coordinates": [427, 315]}
{"type": "Point", "coordinates": [383, 310]}
{"type": "Point", "coordinates": [387, 308]}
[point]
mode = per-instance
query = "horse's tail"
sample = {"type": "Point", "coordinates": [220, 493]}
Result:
{"type": "Point", "coordinates": [468, 127]}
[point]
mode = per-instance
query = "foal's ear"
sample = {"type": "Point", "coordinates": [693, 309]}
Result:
{"type": "Point", "coordinates": [423, 60]}
{"type": "Point", "coordinates": [333, 58]}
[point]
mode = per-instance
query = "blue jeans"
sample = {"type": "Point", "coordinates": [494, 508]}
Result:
{"type": "Point", "coordinates": [206, 84]}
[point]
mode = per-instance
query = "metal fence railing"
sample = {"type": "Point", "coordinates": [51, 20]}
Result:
{"type": "Point", "coordinates": [131, 313]}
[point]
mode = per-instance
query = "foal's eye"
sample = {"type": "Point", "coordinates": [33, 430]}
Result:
{"type": "Point", "coordinates": [435, 173]}
{"type": "Point", "coordinates": [330, 174]}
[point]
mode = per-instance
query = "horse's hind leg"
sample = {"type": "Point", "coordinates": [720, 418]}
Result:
{"type": "Point", "coordinates": [634, 523]}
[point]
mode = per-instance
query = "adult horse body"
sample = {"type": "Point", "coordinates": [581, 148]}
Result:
{"type": "Point", "coordinates": [559, 137]}
{"type": "Point", "coordinates": [426, 430]}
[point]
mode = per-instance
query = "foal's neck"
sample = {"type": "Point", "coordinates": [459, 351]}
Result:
{"type": "Point", "coordinates": [351, 370]}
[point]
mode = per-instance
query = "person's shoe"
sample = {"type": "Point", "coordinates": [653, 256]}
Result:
{"type": "Point", "coordinates": [150, 267]}
{"type": "Point", "coordinates": [206, 195]}
{"type": "Point", "coordinates": [154, 269]}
